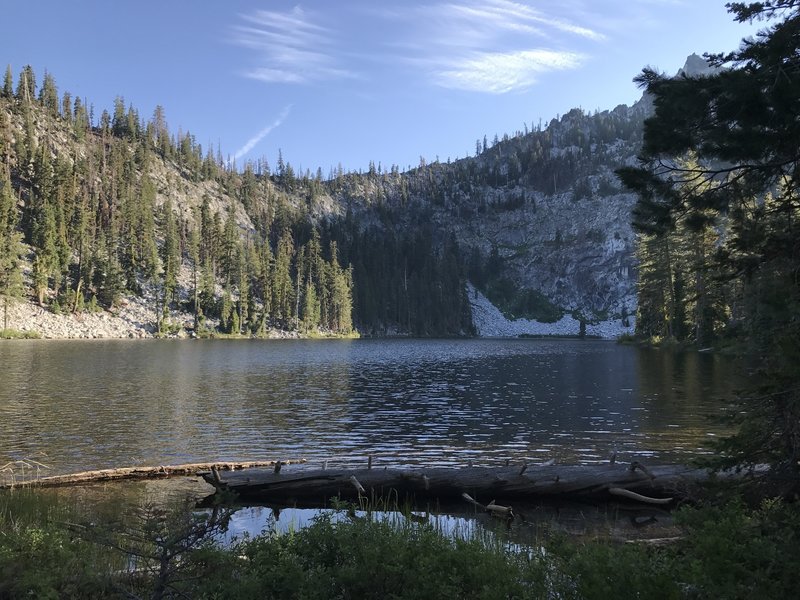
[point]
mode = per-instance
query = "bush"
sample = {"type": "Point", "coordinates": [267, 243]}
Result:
{"type": "Point", "coordinates": [14, 334]}
{"type": "Point", "coordinates": [736, 552]}
{"type": "Point", "coordinates": [40, 557]}
{"type": "Point", "coordinates": [727, 552]}
{"type": "Point", "coordinates": [370, 558]}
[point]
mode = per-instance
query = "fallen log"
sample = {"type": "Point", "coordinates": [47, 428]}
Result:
{"type": "Point", "coordinates": [138, 473]}
{"type": "Point", "coordinates": [599, 483]}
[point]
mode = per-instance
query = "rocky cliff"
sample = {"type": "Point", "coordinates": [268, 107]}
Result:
{"type": "Point", "coordinates": [540, 221]}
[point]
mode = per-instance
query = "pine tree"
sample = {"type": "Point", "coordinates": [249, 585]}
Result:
{"type": "Point", "coordinates": [108, 276]}
{"type": "Point", "coordinates": [119, 122]}
{"type": "Point", "coordinates": [42, 225]}
{"type": "Point", "coordinates": [170, 254]}
{"type": "Point", "coordinates": [242, 288]}
{"type": "Point", "coordinates": [265, 284]}
{"type": "Point", "coordinates": [66, 107]}
{"type": "Point", "coordinates": [281, 279]}
{"type": "Point", "coordinates": [194, 257]}
{"type": "Point", "coordinates": [11, 249]}
{"type": "Point", "coordinates": [147, 249]}
{"type": "Point", "coordinates": [26, 85]}
{"type": "Point", "coordinates": [339, 293]}
{"type": "Point", "coordinates": [230, 246]}
{"type": "Point", "coordinates": [48, 95]}
{"type": "Point", "coordinates": [741, 125]}
{"type": "Point", "coordinates": [80, 123]}
{"type": "Point", "coordinates": [8, 83]}
{"type": "Point", "coordinates": [311, 312]}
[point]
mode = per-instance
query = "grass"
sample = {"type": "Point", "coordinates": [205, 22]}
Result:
{"type": "Point", "coordinates": [40, 557]}
{"type": "Point", "coordinates": [15, 334]}
{"type": "Point", "coordinates": [50, 548]}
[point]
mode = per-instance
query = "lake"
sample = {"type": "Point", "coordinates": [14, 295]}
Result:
{"type": "Point", "coordinates": [77, 405]}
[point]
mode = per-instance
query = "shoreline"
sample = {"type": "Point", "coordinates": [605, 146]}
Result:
{"type": "Point", "coordinates": [135, 318]}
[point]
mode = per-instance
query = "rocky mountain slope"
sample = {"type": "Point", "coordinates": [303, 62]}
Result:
{"type": "Point", "coordinates": [536, 221]}
{"type": "Point", "coordinates": [538, 213]}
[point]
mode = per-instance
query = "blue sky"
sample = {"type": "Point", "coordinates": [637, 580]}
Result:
{"type": "Point", "coordinates": [353, 81]}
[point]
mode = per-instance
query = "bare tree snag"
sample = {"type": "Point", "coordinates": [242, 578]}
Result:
{"type": "Point", "coordinates": [136, 473]}
{"type": "Point", "coordinates": [596, 483]}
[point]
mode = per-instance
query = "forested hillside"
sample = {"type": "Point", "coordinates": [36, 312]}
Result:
{"type": "Point", "coordinates": [102, 206]}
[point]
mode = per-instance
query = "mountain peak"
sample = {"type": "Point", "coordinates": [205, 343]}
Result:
{"type": "Point", "coordinates": [696, 66]}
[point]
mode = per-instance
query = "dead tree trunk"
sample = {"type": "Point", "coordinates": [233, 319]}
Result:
{"type": "Point", "coordinates": [11, 479]}
{"type": "Point", "coordinates": [598, 483]}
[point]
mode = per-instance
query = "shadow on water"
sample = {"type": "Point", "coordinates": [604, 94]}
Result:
{"type": "Point", "coordinates": [117, 502]}
{"type": "Point", "coordinates": [531, 522]}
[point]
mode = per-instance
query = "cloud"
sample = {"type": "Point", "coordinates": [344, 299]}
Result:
{"type": "Point", "coordinates": [498, 72]}
{"type": "Point", "coordinates": [291, 47]}
{"type": "Point", "coordinates": [253, 141]}
{"type": "Point", "coordinates": [493, 17]}
{"type": "Point", "coordinates": [490, 46]}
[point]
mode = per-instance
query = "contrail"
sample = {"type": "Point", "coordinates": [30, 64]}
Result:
{"type": "Point", "coordinates": [251, 143]}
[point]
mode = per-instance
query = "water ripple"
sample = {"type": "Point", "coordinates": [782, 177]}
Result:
{"type": "Point", "coordinates": [80, 405]}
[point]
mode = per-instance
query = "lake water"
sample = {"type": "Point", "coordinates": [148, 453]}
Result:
{"type": "Point", "coordinates": [77, 405]}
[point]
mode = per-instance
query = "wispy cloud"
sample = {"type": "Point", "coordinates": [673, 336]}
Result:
{"type": "Point", "coordinates": [501, 72]}
{"type": "Point", "coordinates": [253, 141]}
{"type": "Point", "coordinates": [491, 46]}
{"type": "Point", "coordinates": [492, 17]}
{"type": "Point", "coordinates": [291, 47]}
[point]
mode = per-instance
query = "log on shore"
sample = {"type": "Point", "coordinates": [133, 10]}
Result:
{"type": "Point", "coordinates": [598, 483]}
{"type": "Point", "coordinates": [137, 473]}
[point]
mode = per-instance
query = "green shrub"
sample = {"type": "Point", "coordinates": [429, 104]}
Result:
{"type": "Point", "coordinates": [736, 552]}
{"type": "Point", "coordinates": [40, 557]}
{"type": "Point", "coordinates": [727, 552]}
{"type": "Point", "coordinates": [370, 558]}
{"type": "Point", "coordinates": [15, 334]}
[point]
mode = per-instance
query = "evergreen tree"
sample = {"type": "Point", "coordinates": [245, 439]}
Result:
{"type": "Point", "coordinates": [42, 226]}
{"type": "Point", "coordinates": [119, 122]}
{"type": "Point", "coordinates": [80, 121]}
{"type": "Point", "coordinates": [48, 95]}
{"type": "Point", "coordinates": [340, 284]}
{"type": "Point", "coordinates": [742, 124]}
{"type": "Point", "coordinates": [66, 107]}
{"type": "Point", "coordinates": [311, 313]}
{"type": "Point", "coordinates": [11, 249]}
{"type": "Point", "coordinates": [170, 254]}
{"type": "Point", "coordinates": [264, 284]}
{"type": "Point", "coordinates": [230, 245]}
{"type": "Point", "coordinates": [194, 257]}
{"type": "Point", "coordinates": [147, 249]}
{"type": "Point", "coordinates": [107, 272]}
{"type": "Point", "coordinates": [26, 85]}
{"type": "Point", "coordinates": [281, 279]}
{"type": "Point", "coordinates": [8, 83]}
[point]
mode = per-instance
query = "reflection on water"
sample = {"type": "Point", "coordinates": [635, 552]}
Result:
{"type": "Point", "coordinates": [121, 506]}
{"type": "Point", "coordinates": [528, 529]}
{"type": "Point", "coordinates": [83, 405]}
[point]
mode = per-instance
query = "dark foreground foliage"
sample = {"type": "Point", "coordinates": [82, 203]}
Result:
{"type": "Point", "coordinates": [51, 550]}
{"type": "Point", "coordinates": [718, 188]}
